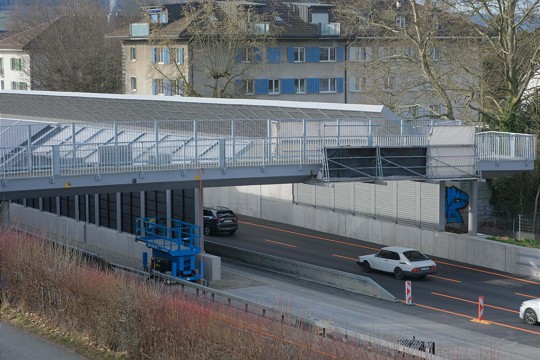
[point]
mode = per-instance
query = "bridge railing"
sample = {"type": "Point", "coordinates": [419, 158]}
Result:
{"type": "Point", "coordinates": [182, 152]}
{"type": "Point", "coordinates": [500, 146]}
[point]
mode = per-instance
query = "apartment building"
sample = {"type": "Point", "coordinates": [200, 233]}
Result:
{"type": "Point", "coordinates": [304, 61]}
{"type": "Point", "coordinates": [312, 58]}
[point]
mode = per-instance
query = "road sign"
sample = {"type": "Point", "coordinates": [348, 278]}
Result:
{"type": "Point", "coordinates": [408, 292]}
{"type": "Point", "coordinates": [481, 308]}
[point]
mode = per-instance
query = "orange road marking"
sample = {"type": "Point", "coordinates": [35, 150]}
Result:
{"type": "Point", "coordinates": [529, 296]}
{"type": "Point", "coordinates": [311, 236]}
{"type": "Point", "coordinates": [443, 278]}
{"type": "Point", "coordinates": [474, 302]}
{"type": "Point", "coordinates": [472, 318]}
{"type": "Point", "coordinates": [345, 257]}
{"type": "Point", "coordinates": [490, 272]}
{"type": "Point", "coordinates": [280, 243]}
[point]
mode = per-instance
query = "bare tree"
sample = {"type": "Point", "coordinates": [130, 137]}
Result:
{"type": "Point", "coordinates": [420, 46]}
{"type": "Point", "coordinates": [509, 30]}
{"type": "Point", "coordinates": [67, 48]}
{"type": "Point", "coordinates": [226, 40]}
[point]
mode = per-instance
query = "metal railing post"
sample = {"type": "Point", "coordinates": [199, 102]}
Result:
{"type": "Point", "coordinates": [304, 141]}
{"type": "Point", "coordinates": [156, 139]}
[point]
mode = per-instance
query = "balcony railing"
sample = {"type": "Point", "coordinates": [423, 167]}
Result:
{"type": "Point", "coordinates": [139, 29]}
{"type": "Point", "coordinates": [330, 29]}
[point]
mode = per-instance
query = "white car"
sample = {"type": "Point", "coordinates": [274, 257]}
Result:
{"type": "Point", "coordinates": [529, 311]}
{"type": "Point", "coordinates": [400, 261]}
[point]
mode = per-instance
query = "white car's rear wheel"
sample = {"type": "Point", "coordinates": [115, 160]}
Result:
{"type": "Point", "coordinates": [530, 317]}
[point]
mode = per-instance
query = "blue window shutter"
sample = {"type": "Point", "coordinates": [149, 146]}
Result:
{"type": "Point", "coordinates": [309, 54]}
{"type": "Point", "coordinates": [340, 85]}
{"type": "Point", "coordinates": [166, 55]}
{"type": "Point", "coordinates": [167, 87]}
{"type": "Point", "coordinates": [273, 55]}
{"type": "Point", "coordinates": [153, 55]}
{"type": "Point", "coordinates": [287, 86]}
{"type": "Point", "coordinates": [290, 54]}
{"type": "Point", "coordinates": [316, 86]}
{"type": "Point", "coordinates": [180, 56]}
{"type": "Point", "coordinates": [153, 86]}
{"type": "Point", "coordinates": [309, 86]}
{"type": "Point", "coordinates": [340, 54]}
{"type": "Point", "coordinates": [316, 54]}
{"type": "Point", "coordinates": [261, 86]}
{"type": "Point", "coordinates": [257, 52]}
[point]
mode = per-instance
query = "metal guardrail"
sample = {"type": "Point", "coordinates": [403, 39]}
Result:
{"type": "Point", "coordinates": [493, 145]}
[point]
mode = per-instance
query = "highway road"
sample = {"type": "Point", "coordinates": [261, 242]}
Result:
{"type": "Point", "coordinates": [449, 297]}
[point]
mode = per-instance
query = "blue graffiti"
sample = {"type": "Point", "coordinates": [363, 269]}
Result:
{"type": "Point", "coordinates": [455, 201]}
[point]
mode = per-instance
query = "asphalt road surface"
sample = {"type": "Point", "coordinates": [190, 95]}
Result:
{"type": "Point", "coordinates": [449, 297]}
{"type": "Point", "coordinates": [18, 344]}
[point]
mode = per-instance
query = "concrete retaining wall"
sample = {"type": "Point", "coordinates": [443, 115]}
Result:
{"type": "Point", "coordinates": [350, 282]}
{"type": "Point", "coordinates": [274, 202]}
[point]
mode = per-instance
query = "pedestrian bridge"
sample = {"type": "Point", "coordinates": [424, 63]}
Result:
{"type": "Point", "coordinates": [64, 144]}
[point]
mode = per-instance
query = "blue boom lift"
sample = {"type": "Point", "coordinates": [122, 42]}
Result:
{"type": "Point", "coordinates": [174, 248]}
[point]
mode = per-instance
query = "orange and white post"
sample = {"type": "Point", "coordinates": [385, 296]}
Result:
{"type": "Point", "coordinates": [481, 308]}
{"type": "Point", "coordinates": [408, 292]}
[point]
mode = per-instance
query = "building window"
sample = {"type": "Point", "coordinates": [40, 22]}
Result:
{"type": "Point", "coordinates": [15, 85]}
{"type": "Point", "coordinates": [358, 84]}
{"type": "Point", "coordinates": [413, 112]}
{"type": "Point", "coordinates": [1, 66]}
{"type": "Point", "coordinates": [435, 109]}
{"type": "Point", "coordinates": [400, 21]}
{"type": "Point", "coordinates": [248, 87]}
{"type": "Point", "coordinates": [157, 16]}
{"type": "Point", "coordinates": [160, 88]}
{"type": "Point", "coordinates": [273, 87]}
{"type": "Point", "coordinates": [327, 85]}
{"type": "Point", "coordinates": [327, 54]}
{"type": "Point", "coordinates": [360, 54]}
{"type": "Point", "coordinates": [177, 87]}
{"type": "Point", "coordinates": [160, 56]}
{"type": "Point", "coordinates": [300, 86]}
{"type": "Point", "coordinates": [387, 52]}
{"type": "Point", "coordinates": [16, 64]}
{"type": "Point", "coordinates": [132, 54]}
{"type": "Point", "coordinates": [2, 85]}
{"type": "Point", "coordinates": [299, 54]}
{"type": "Point", "coordinates": [248, 55]}
{"type": "Point", "coordinates": [178, 56]}
{"type": "Point", "coordinates": [133, 83]}
{"type": "Point", "coordinates": [411, 52]}
{"type": "Point", "coordinates": [390, 83]}
{"type": "Point", "coordinates": [436, 53]}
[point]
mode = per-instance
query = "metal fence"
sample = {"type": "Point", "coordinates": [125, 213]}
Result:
{"type": "Point", "coordinates": [46, 149]}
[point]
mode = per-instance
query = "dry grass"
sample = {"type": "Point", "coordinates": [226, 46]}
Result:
{"type": "Point", "coordinates": [110, 316]}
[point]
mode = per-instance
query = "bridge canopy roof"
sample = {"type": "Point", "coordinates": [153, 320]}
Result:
{"type": "Point", "coordinates": [95, 108]}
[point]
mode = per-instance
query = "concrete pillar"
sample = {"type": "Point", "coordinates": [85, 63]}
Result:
{"type": "Point", "coordinates": [87, 208]}
{"type": "Point", "coordinates": [442, 206]}
{"type": "Point", "coordinates": [77, 204]}
{"type": "Point", "coordinates": [473, 208]}
{"type": "Point", "coordinates": [96, 209]}
{"type": "Point", "coordinates": [58, 212]}
{"type": "Point", "coordinates": [198, 213]}
{"type": "Point", "coordinates": [119, 211]}
{"type": "Point", "coordinates": [40, 202]}
{"type": "Point", "coordinates": [143, 204]}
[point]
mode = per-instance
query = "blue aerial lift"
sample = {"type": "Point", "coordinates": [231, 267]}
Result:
{"type": "Point", "coordinates": [174, 248]}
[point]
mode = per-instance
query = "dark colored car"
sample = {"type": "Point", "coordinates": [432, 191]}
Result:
{"type": "Point", "coordinates": [219, 219]}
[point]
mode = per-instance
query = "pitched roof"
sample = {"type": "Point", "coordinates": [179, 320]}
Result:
{"type": "Point", "coordinates": [20, 40]}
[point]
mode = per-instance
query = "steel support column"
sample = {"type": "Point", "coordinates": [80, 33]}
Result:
{"type": "Point", "coordinates": [442, 206]}
{"type": "Point", "coordinates": [473, 208]}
